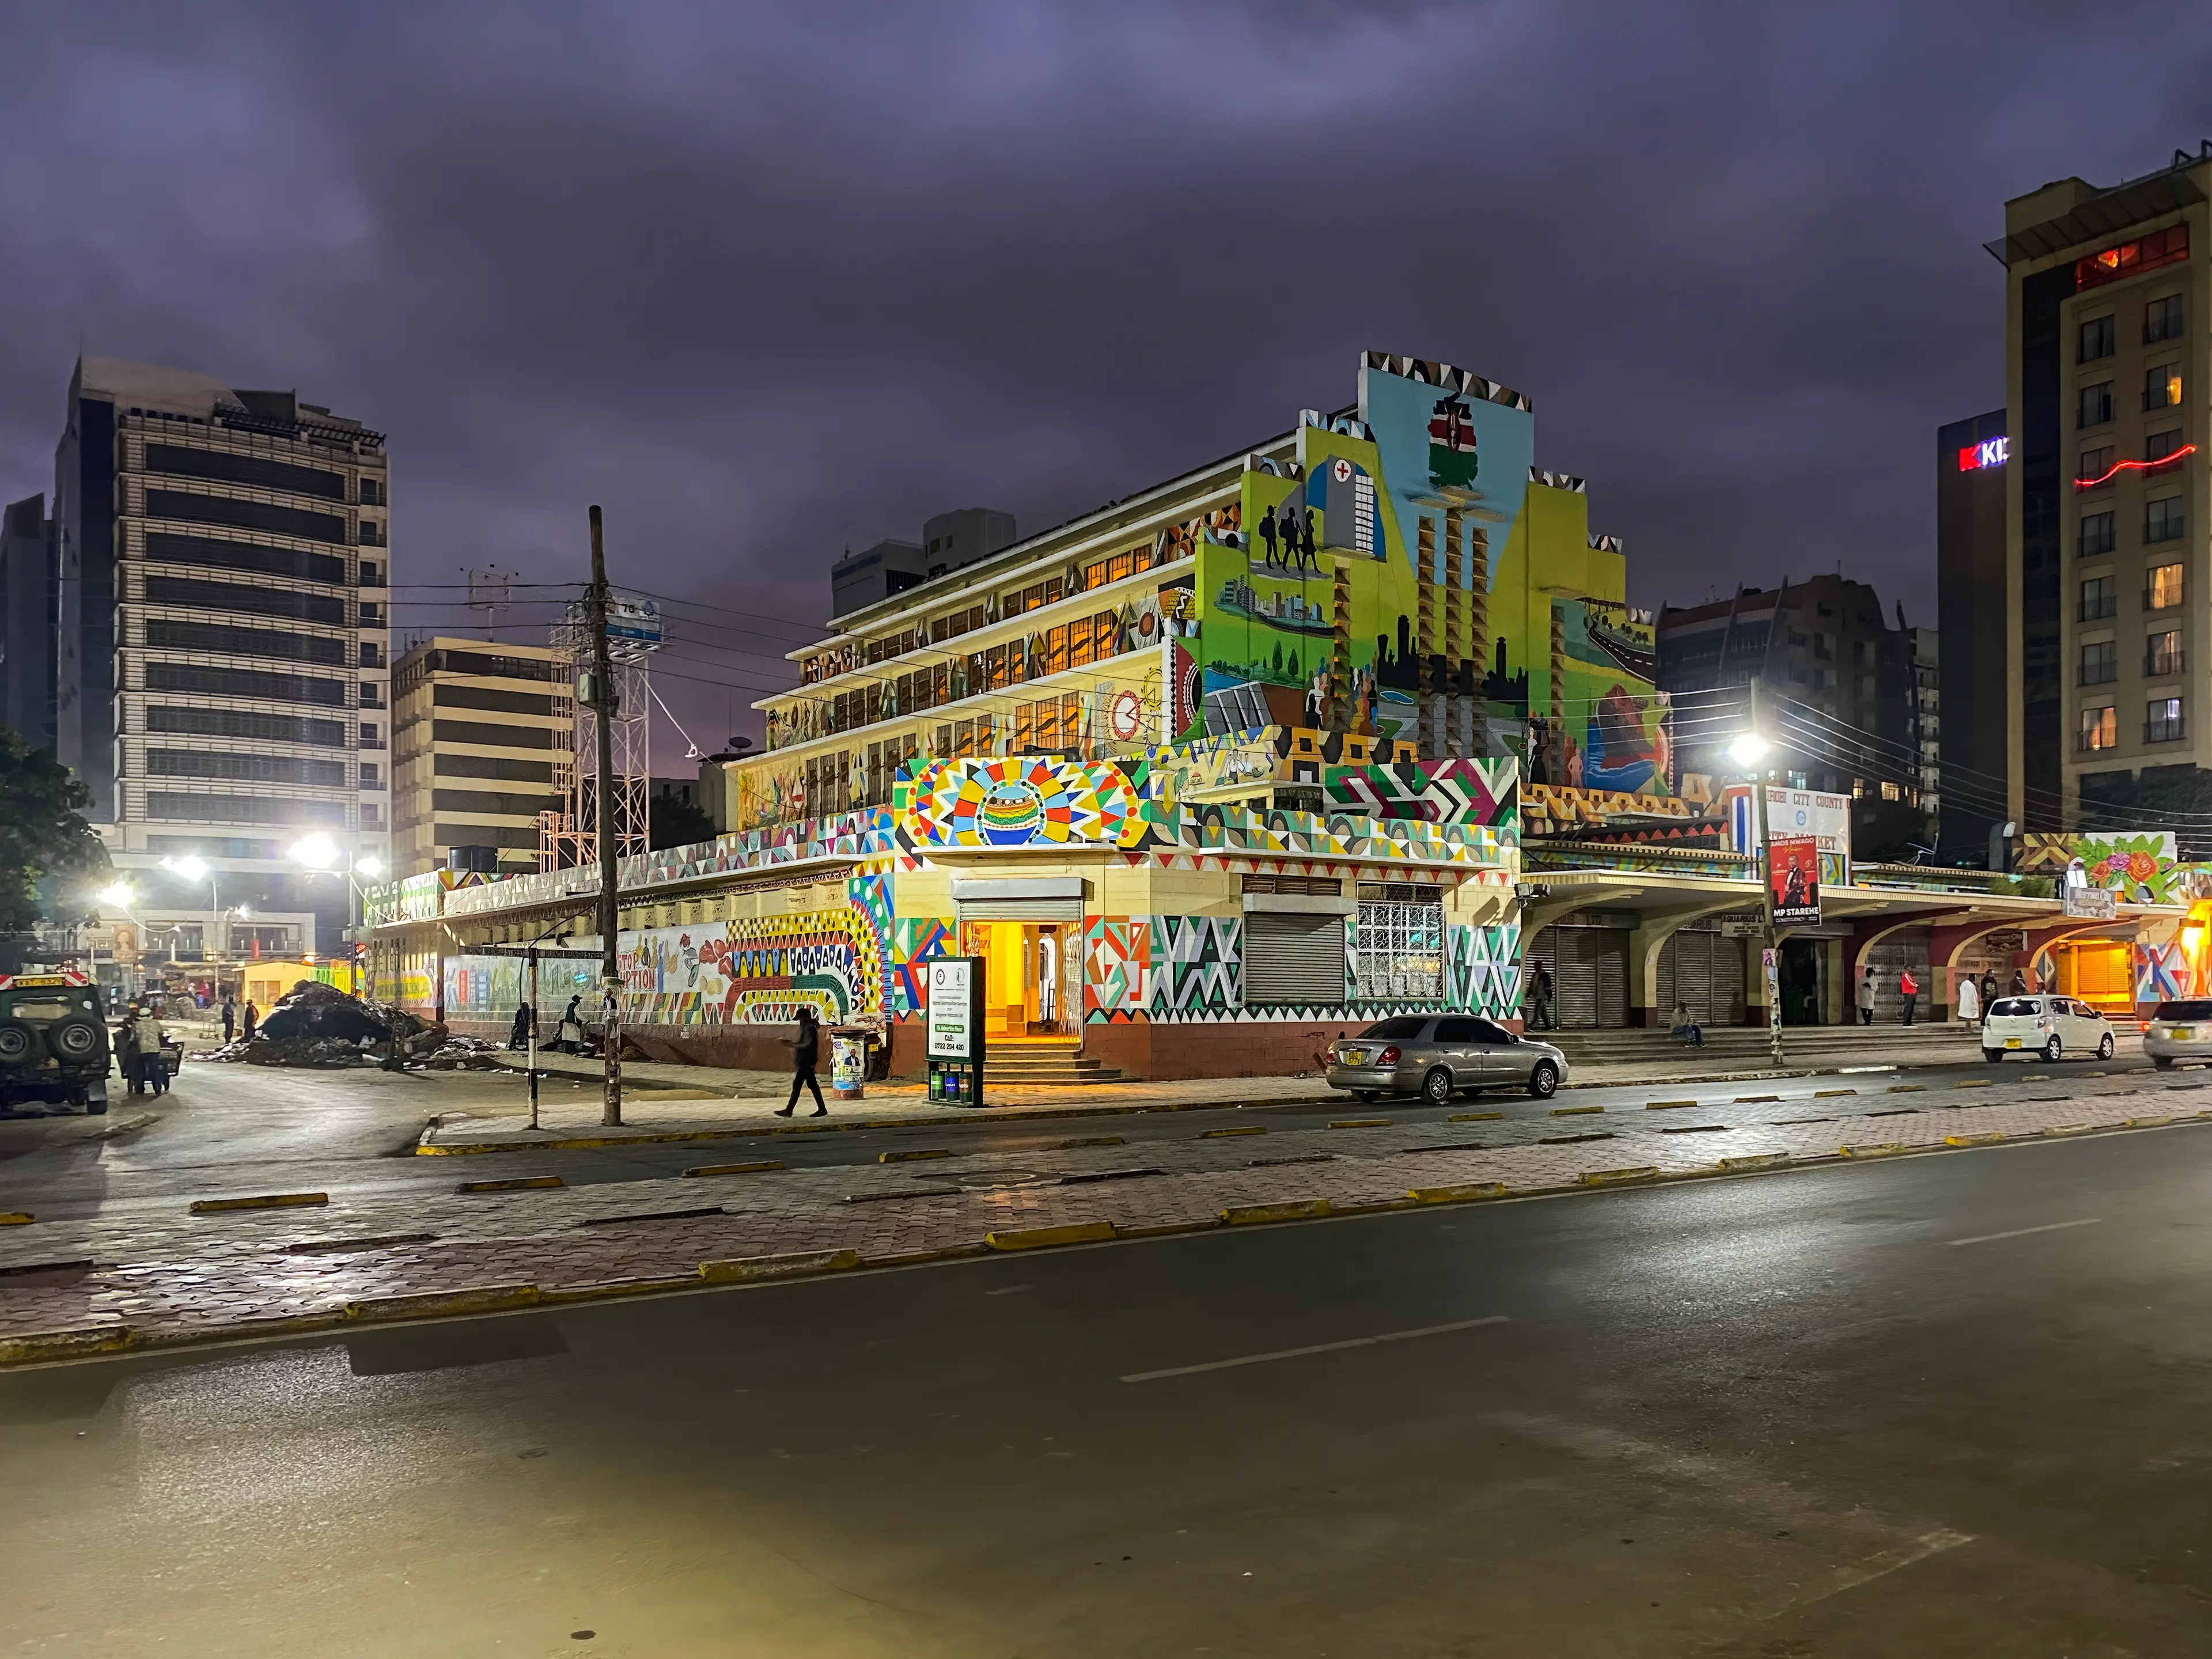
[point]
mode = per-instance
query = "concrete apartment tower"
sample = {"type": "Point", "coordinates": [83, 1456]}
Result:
{"type": "Point", "coordinates": [2108, 321]}
{"type": "Point", "coordinates": [221, 672]}
{"type": "Point", "coordinates": [481, 737]}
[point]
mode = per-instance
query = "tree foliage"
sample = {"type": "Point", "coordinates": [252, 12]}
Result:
{"type": "Point", "coordinates": [44, 840]}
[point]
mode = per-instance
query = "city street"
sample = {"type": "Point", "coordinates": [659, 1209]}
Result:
{"type": "Point", "coordinates": [1950, 1404]}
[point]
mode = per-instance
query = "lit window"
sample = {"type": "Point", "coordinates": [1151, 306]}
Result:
{"type": "Point", "coordinates": [2162, 386]}
{"type": "Point", "coordinates": [2100, 728]}
{"type": "Point", "coordinates": [2162, 319]}
{"type": "Point", "coordinates": [2096, 534]}
{"type": "Point", "coordinates": [2096, 405]}
{"type": "Point", "coordinates": [2162, 521]}
{"type": "Point", "coordinates": [2096, 339]}
{"type": "Point", "coordinates": [2164, 590]}
{"type": "Point", "coordinates": [2161, 247]}
{"type": "Point", "coordinates": [2162, 654]}
{"type": "Point", "coordinates": [2162, 720]}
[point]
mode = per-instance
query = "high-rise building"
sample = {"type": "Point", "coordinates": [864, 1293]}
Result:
{"type": "Point", "coordinates": [481, 745]}
{"type": "Point", "coordinates": [2107, 353]}
{"type": "Point", "coordinates": [222, 631]}
{"type": "Point", "coordinates": [1973, 472]}
{"type": "Point", "coordinates": [30, 592]}
{"type": "Point", "coordinates": [949, 541]}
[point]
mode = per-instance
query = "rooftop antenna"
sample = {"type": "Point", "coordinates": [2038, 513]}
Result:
{"type": "Point", "coordinates": [491, 590]}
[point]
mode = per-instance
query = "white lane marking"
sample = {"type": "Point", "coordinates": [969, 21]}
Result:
{"type": "Point", "coordinates": [1317, 1347]}
{"type": "Point", "coordinates": [1882, 1565]}
{"type": "Point", "coordinates": [2022, 1232]}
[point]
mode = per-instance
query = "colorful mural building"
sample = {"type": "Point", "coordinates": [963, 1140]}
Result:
{"type": "Point", "coordinates": [1356, 722]}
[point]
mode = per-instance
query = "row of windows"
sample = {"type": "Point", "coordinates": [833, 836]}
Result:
{"type": "Point", "coordinates": [487, 736]}
{"type": "Point", "coordinates": [490, 698]}
{"type": "Point", "coordinates": [163, 634]}
{"type": "Point", "coordinates": [258, 472]}
{"type": "Point", "coordinates": [2161, 321]}
{"type": "Point", "coordinates": [247, 723]}
{"type": "Point", "coordinates": [327, 609]}
{"type": "Point", "coordinates": [2162, 657]}
{"type": "Point", "coordinates": [2162, 389]}
{"type": "Point", "coordinates": [304, 523]}
{"type": "Point", "coordinates": [247, 809]}
{"type": "Point", "coordinates": [506, 768]}
{"type": "Point", "coordinates": [245, 769]}
{"type": "Point", "coordinates": [251, 683]}
{"type": "Point", "coordinates": [2100, 465]}
{"type": "Point", "coordinates": [2100, 595]}
{"type": "Point", "coordinates": [2163, 723]}
{"type": "Point", "coordinates": [2164, 520]}
{"type": "Point", "coordinates": [174, 547]}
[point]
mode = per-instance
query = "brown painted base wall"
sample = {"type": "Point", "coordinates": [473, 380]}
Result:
{"type": "Point", "coordinates": [742, 1048]}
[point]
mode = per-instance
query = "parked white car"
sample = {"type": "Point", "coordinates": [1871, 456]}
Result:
{"type": "Point", "coordinates": [2178, 1031]}
{"type": "Point", "coordinates": [2046, 1025]}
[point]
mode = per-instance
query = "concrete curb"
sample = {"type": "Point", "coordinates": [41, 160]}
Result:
{"type": "Point", "coordinates": [752, 1269]}
{"type": "Point", "coordinates": [1246, 1215]}
{"type": "Point", "coordinates": [435, 1304]}
{"type": "Point", "coordinates": [17, 1219]}
{"type": "Point", "coordinates": [515, 1184]}
{"type": "Point", "coordinates": [262, 1201]}
{"type": "Point", "coordinates": [760, 1167]}
{"type": "Point", "coordinates": [1043, 1238]}
{"type": "Point", "coordinates": [1619, 1177]}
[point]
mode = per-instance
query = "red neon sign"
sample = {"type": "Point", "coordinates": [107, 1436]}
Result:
{"type": "Point", "coordinates": [2117, 467]}
{"type": "Point", "coordinates": [1990, 451]}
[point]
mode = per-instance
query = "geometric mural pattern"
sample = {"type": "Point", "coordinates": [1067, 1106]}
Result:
{"type": "Point", "coordinates": [1483, 969]}
{"type": "Point", "coordinates": [1117, 957]}
{"type": "Point", "coordinates": [1019, 800]}
{"type": "Point", "coordinates": [1481, 791]}
{"type": "Point", "coordinates": [916, 941]}
{"type": "Point", "coordinates": [1198, 964]}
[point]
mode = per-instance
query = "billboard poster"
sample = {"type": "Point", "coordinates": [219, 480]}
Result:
{"type": "Point", "coordinates": [952, 1025]}
{"type": "Point", "coordinates": [1793, 880]}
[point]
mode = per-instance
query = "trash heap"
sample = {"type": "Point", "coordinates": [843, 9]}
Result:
{"type": "Point", "coordinates": [319, 1027]}
{"type": "Point", "coordinates": [463, 1054]}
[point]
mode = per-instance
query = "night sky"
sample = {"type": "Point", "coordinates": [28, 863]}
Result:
{"type": "Point", "coordinates": [772, 282]}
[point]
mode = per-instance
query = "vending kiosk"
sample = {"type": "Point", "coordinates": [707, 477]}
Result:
{"type": "Point", "coordinates": [955, 1018]}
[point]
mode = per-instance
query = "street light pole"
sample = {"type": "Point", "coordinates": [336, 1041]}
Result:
{"type": "Point", "coordinates": [596, 601]}
{"type": "Point", "coordinates": [1750, 751]}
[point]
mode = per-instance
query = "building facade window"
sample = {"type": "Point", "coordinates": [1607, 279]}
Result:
{"type": "Point", "coordinates": [2096, 534]}
{"type": "Point", "coordinates": [2099, 598]}
{"type": "Point", "coordinates": [2096, 466]}
{"type": "Point", "coordinates": [2162, 654]}
{"type": "Point", "coordinates": [2112, 264]}
{"type": "Point", "coordinates": [2101, 727]}
{"type": "Point", "coordinates": [2162, 720]}
{"type": "Point", "coordinates": [2163, 520]}
{"type": "Point", "coordinates": [2164, 590]}
{"type": "Point", "coordinates": [2101, 662]}
{"type": "Point", "coordinates": [2162, 386]}
{"type": "Point", "coordinates": [2160, 445]}
{"type": "Point", "coordinates": [2096, 339]}
{"type": "Point", "coordinates": [2162, 319]}
{"type": "Point", "coordinates": [2096, 405]}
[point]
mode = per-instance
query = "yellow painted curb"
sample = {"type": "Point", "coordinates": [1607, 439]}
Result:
{"type": "Point", "coordinates": [2148, 1122]}
{"type": "Point", "coordinates": [1040, 1238]}
{"type": "Point", "coordinates": [1752, 1161]}
{"type": "Point", "coordinates": [1667, 1105]}
{"type": "Point", "coordinates": [1874, 1148]}
{"type": "Point", "coordinates": [1360, 1123]}
{"type": "Point", "coordinates": [746, 1269]}
{"type": "Point", "coordinates": [764, 1164]}
{"type": "Point", "coordinates": [1908, 1088]}
{"type": "Point", "coordinates": [264, 1201]}
{"type": "Point", "coordinates": [17, 1219]}
{"type": "Point", "coordinates": [1465, 1192]}
{"type": "Point", "coordinates": [1974, 1083]}
{"type": "Point", "coordinates": [1973, 1140]}
{"type": "Point", "coordinates": [913, 1156]}
{"type": "Point", "coordinates": [1829, 1094]}
{"type": "Point", "coordinates": [431, 1304]}
{"type": "Point", "coordinates": [514, 1184]}
{"type": "Point", "coordinates": [1753, 1100]}
{"type": "Point", "coordinates": [1473, 1117]}
{"type": "Point", "coordinates": [1091, 1140]}
{"type": "Point", "coordinates": [1575, 1111]}
{"type": "Point", "coordinates": [77, 1344]}
{"type": "Point", "coordinates": [1241, 1129]}
{"type": "Point", "coordinates": [1619, 1177]}
{"type": "Point", "coordinates": [1242, 1215]}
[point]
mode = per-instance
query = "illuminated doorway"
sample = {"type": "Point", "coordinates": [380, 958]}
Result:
{"type": "Point", "coordinates": [1032, 977]}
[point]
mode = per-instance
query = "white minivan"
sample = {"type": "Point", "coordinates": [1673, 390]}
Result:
{"type": "Point", "coordinates": [2046, 1025]}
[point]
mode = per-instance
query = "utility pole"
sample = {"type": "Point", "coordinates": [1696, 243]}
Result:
{"type": "Point", "coordinates": [602, 704]}
{"type": "Point", "coordinates": [1770, 955]}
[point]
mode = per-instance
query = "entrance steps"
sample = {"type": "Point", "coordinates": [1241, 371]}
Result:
{"type": "Point", "coordinates": [1044, 1063]}
{"type": "Point", "coordinates": [1745, 1047]}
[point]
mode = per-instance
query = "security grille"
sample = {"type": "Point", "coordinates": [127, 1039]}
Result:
{"type": "Point", "coordinates": [1293, 956]}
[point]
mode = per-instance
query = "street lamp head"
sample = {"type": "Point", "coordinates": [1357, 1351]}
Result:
{"type": "Point", "coordinates": [315, 852]}
{"type": "Point", "coordinates": [191, 866]}
{"type": "Point", "coordinates": [1748, 749]}
{"type": "Point", "coordinates": [372, 867]}
{"type": "Point", "coordinates": [116, 894]}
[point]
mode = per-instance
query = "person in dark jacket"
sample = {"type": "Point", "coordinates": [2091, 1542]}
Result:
{"type": "Point", "coordinates": [230, 1019]}
{"type": "Point", "coordinates": [252, 1020]}
{"type": "Point", "coordinates": [525, 1017]}
{"type": "Point", "coordinates": [806, 1054]}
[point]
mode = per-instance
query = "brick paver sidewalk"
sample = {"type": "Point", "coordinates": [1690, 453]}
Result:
{"type": "Point", "coordinates": [167, 1279]}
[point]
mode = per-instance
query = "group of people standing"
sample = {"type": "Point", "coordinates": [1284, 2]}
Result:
{"type": "Point", "coordinates": [1972, 1007]}
{"type": "Point", "coordinates": [569, 1036]}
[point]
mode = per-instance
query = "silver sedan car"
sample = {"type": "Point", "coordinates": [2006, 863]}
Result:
{"type": "Point", "coordinates": [2178, 1031]}
{"type": "Point", "coordinates": [1434, 1054]}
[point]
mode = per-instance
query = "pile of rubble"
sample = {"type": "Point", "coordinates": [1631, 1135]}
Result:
{"type": "Point", "coordinates": [319, 1027]}
{"type": "Point", "coordinates": [463, 1054]}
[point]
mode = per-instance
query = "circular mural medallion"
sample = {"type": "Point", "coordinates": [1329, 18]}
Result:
{"type": "Point", "coordinates": [1127, 717]}
{"type": "Point", "coordinates": [1009, 814]}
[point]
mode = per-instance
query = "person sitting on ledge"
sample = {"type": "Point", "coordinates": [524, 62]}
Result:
{"type": "Point", "coordinates": [1685, 1025]}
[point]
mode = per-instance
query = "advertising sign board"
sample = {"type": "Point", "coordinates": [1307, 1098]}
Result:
{"type": "Point", "coordinates": [951, 1009]}
{"type": "Point", "coordinates": [1793, 880]}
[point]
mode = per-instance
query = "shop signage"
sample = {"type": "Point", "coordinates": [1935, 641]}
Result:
{"type": "Point", "coordinates": [2097, 903]}
{"type": "Point", "coordinates": [951, 1011]}
{"type": "Point", "coordinates": [1990, 451]}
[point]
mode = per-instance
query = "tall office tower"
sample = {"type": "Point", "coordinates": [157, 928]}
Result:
{"type": "Point", "coordinates": [2107, 353]}
{"type": "Point", "coordinates": [1974, 471]}
{"type": "Point", "coordinates": [480, 737]}
{"type": "Point", "coordinates": [222, 635]}
{"type": "Point", "coordinates": [30, 589]}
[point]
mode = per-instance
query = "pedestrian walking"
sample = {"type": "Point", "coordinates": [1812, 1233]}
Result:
{"type": "Point", "coordinates": [1866, 997]}
{"type": "Point", "coordinates": [126, 1050]}
{"type": "Point", "coordinates": [252, 1020]}
{"type": "Point", "coordinates": [152, 1066]}
{"type": "Point", "coordinates": [1540, 997]}
{"type": "Point", "coordinates": [229, 1018]}
{"type": "Point", "coordinates": [806, 1054]}
{"type": "Point", "coordinates": [525, 1021]}
{"type": "Point", "coordinates": [1909, 988]}
{"type": "Point", "coordinates": [1970, 1001]}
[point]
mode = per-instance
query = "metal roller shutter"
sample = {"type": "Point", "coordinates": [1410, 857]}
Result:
{"type": "Point", "coordinates": [1609, 947]}
{"type": "Point", "coordinates": [1293, 957]}
{"type": "Point", "coordinates": [1019, 910]}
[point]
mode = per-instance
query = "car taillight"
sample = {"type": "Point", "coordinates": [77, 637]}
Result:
{"type": "Point", "coordinates": [1387, 1057]}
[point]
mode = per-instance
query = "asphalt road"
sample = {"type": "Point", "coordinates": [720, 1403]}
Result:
{"type": "Point", "coordinates": [228, 1129]}
{"type": "Point", "coordinates": [1950, 1404]}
